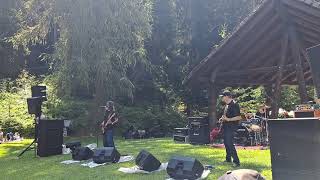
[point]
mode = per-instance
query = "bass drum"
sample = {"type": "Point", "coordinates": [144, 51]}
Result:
{"type": "Point", "coordinates": [242, 136]}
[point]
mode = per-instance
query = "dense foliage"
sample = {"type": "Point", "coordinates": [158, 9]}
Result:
{"type": "Point", "coordinates": [133, 52]}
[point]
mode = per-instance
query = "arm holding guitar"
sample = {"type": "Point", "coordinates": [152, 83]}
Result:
{"type": "Point", "coordinates": [116, 121]}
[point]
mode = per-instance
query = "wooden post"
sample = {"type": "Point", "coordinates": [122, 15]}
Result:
{"type": "Point", "coordinates": [277, 87]}
{"type": "Point", "coordinates": [315, 74]}
{"type": "Point", "coordinates": [296, 52]}
{"type": "Point", "coordinates": [295, 47]}
{"type": "Point", "coordinates": [213, 98]}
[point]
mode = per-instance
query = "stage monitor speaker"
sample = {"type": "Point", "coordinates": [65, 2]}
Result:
{"type": "Point", "coordinates": [184, 168]}
{"type": "Point", "coordinates": [314, 57]}
{"type": "Point", "coordinates": [81, 153]}
{"type": "Point", "coordinates": [199, 131]}
{"type": "Point", "coordinates": [34, 105]}
{"type": "Point", "coordinates": [39, 91]}
{"type": "Point", "coordinates": [50, 137]}
{"type": "Point", "coordinates": [295, 147]}
{"type": "Point", "coordinates": [146, 161]}
{"type": "Point", "coordinates": [106, 154]}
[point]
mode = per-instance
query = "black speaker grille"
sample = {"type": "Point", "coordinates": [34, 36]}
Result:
{"type": "Point", "coordinates": [295, 147]}
{"type": "Point", "coordinates": [50, 137]}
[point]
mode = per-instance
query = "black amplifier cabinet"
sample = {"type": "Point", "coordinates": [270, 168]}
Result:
{"type": "Point", "coordinates": [181, 135]}
{"type": "Point", "coordinates": [181, 131]}
{"type": "Point", "coordinates": [50, 137]}
{"type": "Point", "coordinates": [295, 148]}
{"type": "Point", "coordinates": [199, 131]}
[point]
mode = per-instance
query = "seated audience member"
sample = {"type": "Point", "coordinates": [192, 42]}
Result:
{"type": "Point", "coordinates": [1, 136]}
{"type": "Point", "coordinates": [9, 136]}
{"type": "Point", "coordinates": [16, 136]}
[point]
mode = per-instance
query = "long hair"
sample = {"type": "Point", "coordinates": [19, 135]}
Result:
{"type": "Point", "coordinates": [110, 105]}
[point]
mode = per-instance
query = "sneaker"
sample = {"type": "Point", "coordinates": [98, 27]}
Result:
{"type": "Point", "coordinates": [235, 165]}
{"type": "Point", "coordinates": [226, 161]}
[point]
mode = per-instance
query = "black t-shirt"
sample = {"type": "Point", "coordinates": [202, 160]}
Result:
{"type": "Point", "coordinates": [233, 110]}
{"type": "Point", "coordinates": [262, 115]}
{"type": "Point", "coordinates": [110, 114]}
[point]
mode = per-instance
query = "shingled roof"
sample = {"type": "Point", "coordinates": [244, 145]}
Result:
{"type": "Point", "coordinates": [251, 55]}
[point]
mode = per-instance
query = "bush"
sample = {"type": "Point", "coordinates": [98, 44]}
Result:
{"type": "Point", "coordinates": [149, 117]}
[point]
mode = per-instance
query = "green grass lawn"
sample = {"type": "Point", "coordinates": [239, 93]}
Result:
{"type": "Point", "coordinates": [29, 167]}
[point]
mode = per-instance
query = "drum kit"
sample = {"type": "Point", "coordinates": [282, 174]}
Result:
{"type": "Point", "coordinates": [252, 132]}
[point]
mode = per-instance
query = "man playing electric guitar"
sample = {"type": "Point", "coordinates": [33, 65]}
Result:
{"type": "Point", "coordinates": [230, 121]}
{"type": "Point", "coordinates": [110, 120]}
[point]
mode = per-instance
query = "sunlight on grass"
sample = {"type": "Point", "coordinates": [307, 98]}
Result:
{"type": "Point", "coordinates": [12, 147]}
{"type": "Point", "coordinates": [30, 167]}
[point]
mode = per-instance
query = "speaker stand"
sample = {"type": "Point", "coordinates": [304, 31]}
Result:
{"type": "Point", "coordinates": [35, 140]}
{"type": "Point", "coordinates": [30, 148]}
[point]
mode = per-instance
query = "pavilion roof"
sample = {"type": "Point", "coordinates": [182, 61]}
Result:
{"type": "Point", "coordinates": [251, 54]}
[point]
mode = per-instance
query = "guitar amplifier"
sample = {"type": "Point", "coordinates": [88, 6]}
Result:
{"type": "Point", "coordinates": [179, 138]}
{"type": "Point", "coordinates": [181, 131]}
{"type": "Point", "coordinates": [199, 132]}
{"type": "Point", "coordinates": [307, 113]}
{"type": "Point", "coordinates": [198, 121]}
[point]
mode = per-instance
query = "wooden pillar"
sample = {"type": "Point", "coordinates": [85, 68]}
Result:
{"type": "Point", "coordinates": [296, 52]}
{"type": "Point", "coordinates": [213, 98]}
{"type": "Point", "coordinates": [315, 73]}
{"type": "Point", "coordinates": [295, 47]}
{"type": "Point", "coordinates": [277, 86]}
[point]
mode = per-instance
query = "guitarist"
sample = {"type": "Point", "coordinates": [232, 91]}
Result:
{"type": "Point", "coordinates": [109, 122]}
{"type": "Point", "coordinates": [230, 121]}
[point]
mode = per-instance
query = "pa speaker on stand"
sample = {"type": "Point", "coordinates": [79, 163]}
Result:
{"type": "Point", "coordinates": [34, 108]}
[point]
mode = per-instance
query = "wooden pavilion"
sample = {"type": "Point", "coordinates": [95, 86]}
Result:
{"type": "Point", "coordinates": [268, 48]}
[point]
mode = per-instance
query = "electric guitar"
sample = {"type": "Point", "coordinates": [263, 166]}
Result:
{"type": "Point", "coordinates": [105, 124]}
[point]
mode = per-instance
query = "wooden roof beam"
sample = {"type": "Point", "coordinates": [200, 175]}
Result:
{"type": "Point", "coordinates": [251, 56]}
{"type": "Point", "coordinates": [302, 6]}
{"type": "Point", "coordinates": [303, 16]}
{"type": "Point", "coordinates": [256, 70]}
{"type": "Point", "coordinates": [247, 48]}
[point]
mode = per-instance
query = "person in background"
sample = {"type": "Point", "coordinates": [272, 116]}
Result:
{"type": "Point", "coordinates": [262, 112]}
{"type": "Point", "coordinates": [1, 136]}
{"type": "Point", "coordinates": [108, 124]}
{"type": "Point", "coordinates": [9, 136]}
{"type": "Point", "coordinates": [16, 136]}
{"type": "Point", "coordinates": [230, 120]}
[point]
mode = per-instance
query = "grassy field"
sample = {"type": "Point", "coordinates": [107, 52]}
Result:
{"type": "Point", "coordinates": [29, 167]}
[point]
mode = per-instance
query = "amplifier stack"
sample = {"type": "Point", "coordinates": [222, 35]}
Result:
{"type": "Point", "coordinates": [199, 131]}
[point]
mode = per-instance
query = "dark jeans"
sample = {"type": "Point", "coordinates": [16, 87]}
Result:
{"type": "Point", "coordinates": [108, 138]}
{"type": "Point", "coordinates": [228, 136]}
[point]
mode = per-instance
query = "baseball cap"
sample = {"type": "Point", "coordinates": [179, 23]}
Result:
{"type": "Point", "coordinates": [226, 93]}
